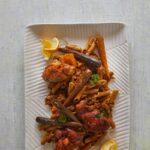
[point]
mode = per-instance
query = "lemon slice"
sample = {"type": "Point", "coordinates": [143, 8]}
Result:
{"type": "Point", "coordinates": [46, 55]}
{"type": "Point", "coordinates": [50, 44]}
{"type": "Point", "coordinates": [109, 145]}
{"type": "Point", "coordinates": [49, 47]}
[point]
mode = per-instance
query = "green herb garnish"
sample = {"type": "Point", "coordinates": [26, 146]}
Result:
{"type": "Point", "coordinates": [102, 113]}
{"type": "Point", "coordinates": [94, 78]}
{"type": "Point", "coordinates": [62, 118]}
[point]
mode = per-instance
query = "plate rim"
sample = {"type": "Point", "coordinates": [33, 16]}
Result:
{"type": "Point", "coordinates": [80, 23]}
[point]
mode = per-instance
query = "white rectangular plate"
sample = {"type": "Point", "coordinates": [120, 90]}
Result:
{"type": "Point", "coordinates": [36, 88]}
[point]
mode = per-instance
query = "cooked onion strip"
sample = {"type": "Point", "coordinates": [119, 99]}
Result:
{"type": "Point", "coordinates": [74, 47]}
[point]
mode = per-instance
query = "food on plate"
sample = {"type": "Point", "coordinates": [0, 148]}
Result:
{"type": "Point", "coordinates": [109, 145]}
{"type": "Point", "coordinates": [79, 97]}
{"type": "Point", "coordinates": [90, 62]}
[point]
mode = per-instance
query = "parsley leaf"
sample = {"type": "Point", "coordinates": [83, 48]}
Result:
{"type": "Point", "coordinates": [62, 118]}
{"type": "Point", "coordinates": [94, 78]}
{"type": "Point", "coordinates": [103, 112]}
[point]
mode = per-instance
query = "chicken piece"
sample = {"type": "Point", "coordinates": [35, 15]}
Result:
{"type": "Point", "coordinates": [95, 123]}
{"type": "Point", "coordinates": [63, 144]}
{"type": "Point", "coordinates": [68, 69]}
{"type": "Point", "coordinates": [57, 72]}
{"type": "Point", "coordinates": [67, 139]}
{"type": "Point", "coordinates": [74, 137]}
{"type": "Point", "coordinates": [69, 59]}
{"type": "Point", "coordinates": [91, 118]}
{"type": "Point", "coordinates": [82, 108]}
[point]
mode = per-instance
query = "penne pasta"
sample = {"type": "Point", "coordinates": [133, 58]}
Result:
{"type": "Point", "coordinates": [102, 94]}
{"type": "Point", "coordinates": [92, 138]}
{"type": "Point", "coordinates": [91, 91]}
{"type": "Point", "coordinates": [43, 127]}
{"type": "Point", "coordinates": [91, 48]}
{"type": "Point", "coordinates": [46, 138]}
{"type": "Point", "coordinates": [56, 87]}
{"type": "Point", "coordinates": [113, 96]}
{"type": "Point", "coordinates": [71, 87]}
{"type": "Point", "coordinates": [89, 43]}
{"type": "Point", "coordinates": [77, 98]}
{"type": "Point", "coordinates": [52, 128]}
{"type": "Point", "coordinates": [101, 72]}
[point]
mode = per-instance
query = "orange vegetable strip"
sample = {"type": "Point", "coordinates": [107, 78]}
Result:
{"type": "Point", "coordinates": [102, 53]}
{"type": "Point", "coordinates": [70, 59]}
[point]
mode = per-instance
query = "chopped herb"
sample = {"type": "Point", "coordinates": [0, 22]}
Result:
{"type": "Point", "coordinates": [94, 78]}
{"type": "Point", "coordinates": [62, 118]}
{"type": "Point", "coordinates": [103, 112]}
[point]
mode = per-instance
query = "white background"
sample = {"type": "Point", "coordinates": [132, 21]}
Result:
{"type": "Point", "coordinates": [16, 14]}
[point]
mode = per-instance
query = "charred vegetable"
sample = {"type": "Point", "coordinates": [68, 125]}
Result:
{"type": "Point", "coordinates": [84, 79]}
{"type": "Point", "coordinates": [51, 122]}
{"type": "Point", "coordinates": [45, 121]}
{"type": "Point", "coordinates": [65, 111]}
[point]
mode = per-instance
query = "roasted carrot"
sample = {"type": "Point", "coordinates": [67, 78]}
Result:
{"type": "Point", "coordinates": [69, 59]}
{"type": "Point", "coordinates": [102, 53]}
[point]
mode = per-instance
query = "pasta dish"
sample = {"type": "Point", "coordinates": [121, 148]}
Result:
{"type": "Point", "coordinates": [79, 98]}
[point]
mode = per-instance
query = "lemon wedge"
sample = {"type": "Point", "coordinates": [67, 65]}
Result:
{"type": "Point", "coordinates": [110, 145]}
{"type": "Point", "coordinates": [46, 55]}
{"type": "Point", "coordinates": [49, 47]}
